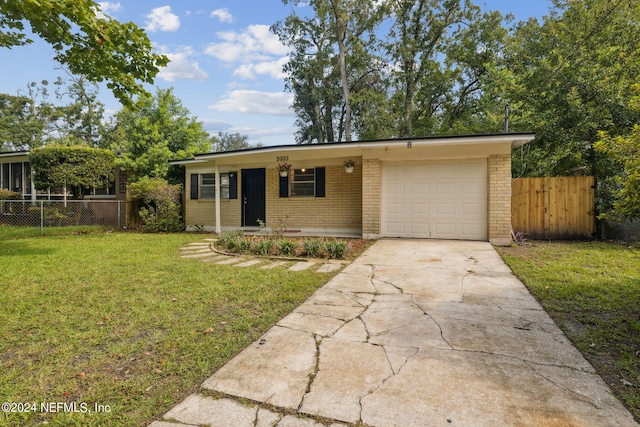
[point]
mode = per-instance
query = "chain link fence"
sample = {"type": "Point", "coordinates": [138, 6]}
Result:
{"type": "Point", "coordinates": [628, 231]}
{"type": "Point", "coordinates": [49, 213]}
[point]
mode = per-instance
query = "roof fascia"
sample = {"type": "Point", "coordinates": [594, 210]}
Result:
{"type": "Point", "coordinates": [515, 139]}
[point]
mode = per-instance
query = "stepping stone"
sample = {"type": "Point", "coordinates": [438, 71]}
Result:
{"type": "Point", "coordinates": [274, 264]}
{"type": "Point", "coordinates": [249, 263]}
{"type": "Point", "coordinates": [230, 260]}
{"type": "Point", "coordinates": [194, 250]}
{"type": "Point", "coordinates": [210, 240]}
{"type": "Point", "coordinates": [199, 255]}
{"type": "Point", "coordinates": [198, 244]}
{"type": "Point", "coordinates": [302, 265]}
{"type": "Point", "coordinates": [215, 257]}
{"type": "Point", "coordinates": [329, 268]}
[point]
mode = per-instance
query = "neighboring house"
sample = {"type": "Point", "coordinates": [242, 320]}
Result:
{"type": "Point", "coordinates": [455, 187]}
{"type": "Point", "coordinates": [15, 175]}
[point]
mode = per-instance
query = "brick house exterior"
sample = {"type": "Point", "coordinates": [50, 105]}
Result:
{"type": "Point", "coordinates": [456, 187]}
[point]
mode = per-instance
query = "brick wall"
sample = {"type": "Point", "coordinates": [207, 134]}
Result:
{"type": "Point", "coordinates": [340, 209]}
{"type": "Point", "coordinates": [371, 197]}
{"type": "Point", "coordinates": [203, 212]}
{"type": "Point", "coordinates": [500, 199]}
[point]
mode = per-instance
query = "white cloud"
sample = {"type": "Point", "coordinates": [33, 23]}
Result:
{"type": "Point", "coordinates": [270, 68]}
{"type": "Point", "coordinates": [107, 8]}
{"type": "Point", "coordinates": [181, 67]}
{"type": "Point", "coordinates": [256, 102]}
{"type": "Point", "coordinates": [256, 43]}
{"type": "Point", "coordinates": [223, 15]}
{"type": "Point", "coordinates": [161, 19]}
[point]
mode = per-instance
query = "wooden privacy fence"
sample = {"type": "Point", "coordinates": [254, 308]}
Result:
{"type": "Point", "coordinates": [554, 208]}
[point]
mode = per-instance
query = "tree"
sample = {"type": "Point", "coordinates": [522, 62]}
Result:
{"type": "Point", "coordinates": [28, 118]}
{"type": "Point", "coordinates": [428, 77]}
{"type": "Point", "coordinates": [78, 168]}
{"type": "Point", "coordinates": [162, 200]}
{"type": "Point", "coordinates": [82, 117]}
{"type": "Point", "coordinates": [160, 129]}
{"type": "Point", "coordinates": [347, 26]}
{"type": "Point", "coordinates": [97, 47]}
{"type": "Point", "coordinates": [231, 142]}
{"type": "Point", "coordinates": [570, 77]}
{"type": "Point", "coordinates": [625, 150]}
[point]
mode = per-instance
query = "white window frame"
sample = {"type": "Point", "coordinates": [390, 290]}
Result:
{"type": "Point", "coordinates": [208, 191]}
{"type": "Point", "coordinates": [293, 182]}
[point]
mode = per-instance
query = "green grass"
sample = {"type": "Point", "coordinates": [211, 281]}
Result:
{"type": "Point", "coordinates": [119, 319]}
{"type": "Point", "coordinates": [12, 232]}
{"type": "Point", "coordinates": [592, 291]}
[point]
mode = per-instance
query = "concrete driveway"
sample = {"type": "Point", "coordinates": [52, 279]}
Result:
{"type": "Point", "coordinates": [413, 333]}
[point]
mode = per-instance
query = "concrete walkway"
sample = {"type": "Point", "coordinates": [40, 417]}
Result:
{"type": "Point", "coordinates": [413, 333]}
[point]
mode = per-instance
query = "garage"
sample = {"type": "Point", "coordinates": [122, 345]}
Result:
{"type": "Point", "coordinates": [439, 200]}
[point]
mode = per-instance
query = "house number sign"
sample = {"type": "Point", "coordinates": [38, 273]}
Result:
{"type": "Point", "coordinates": [282, 159]}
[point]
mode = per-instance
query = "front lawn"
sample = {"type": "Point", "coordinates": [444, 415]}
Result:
{"type": "Point", "coordinates": [119, 320]}
{"type": "Point", "coordinates": [592, 291]}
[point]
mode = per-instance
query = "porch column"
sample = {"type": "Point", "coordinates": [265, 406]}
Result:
{"type": "Point", "coordinates": [217, 188]}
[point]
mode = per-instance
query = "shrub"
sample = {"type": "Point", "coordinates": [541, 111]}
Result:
{"type": "Point", "coordinates": [263, 246]}
{"type": "Point", "coordinates": [336, 249]}
{"type": "Point", "coordinates": [229, 239]}
{"type": "Point", "coordinates": [243, 244]}
{"type": "Point", "coordinates": [9, 195]}
{"type": "Point", "coordinates": [313, 247]}
{"type": "Point", "coordinates": [286, 246]}
{"type": "Point", "coordinates": [162, 210]}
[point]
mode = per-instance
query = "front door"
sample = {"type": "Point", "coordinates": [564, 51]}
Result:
{"type": "Point", "coordinates": [253, 196]}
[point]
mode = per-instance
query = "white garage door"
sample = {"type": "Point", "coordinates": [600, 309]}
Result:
{"type": "Point", "coordinates": [440, 200]}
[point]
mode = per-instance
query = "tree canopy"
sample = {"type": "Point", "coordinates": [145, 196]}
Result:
{"type": "Point", "coordinates": [426, 76]}
{"type": "Point", "coordinates": [624, 150]}
{"type": "Point", "coordinates": [160, 129]}
{"type": "Point", "coordinates": [77, 168]}
{"type": "Point", "coordinates": [86, 42]}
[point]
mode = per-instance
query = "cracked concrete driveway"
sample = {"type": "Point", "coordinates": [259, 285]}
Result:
{"type": "Point", "coordinates": [413, 333]}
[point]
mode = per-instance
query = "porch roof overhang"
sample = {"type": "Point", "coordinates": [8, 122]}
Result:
{"type": "Point", "coordinates": [14, 156]}
{"type": "Point", "coordinates": [359, 148]}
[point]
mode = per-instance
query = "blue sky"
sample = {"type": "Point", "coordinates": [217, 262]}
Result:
{"type": "Point", "coordinates": [226, 66]}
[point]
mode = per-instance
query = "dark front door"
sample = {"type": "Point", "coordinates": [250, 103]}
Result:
{"type": "Point", "coordinates": [253, 196]}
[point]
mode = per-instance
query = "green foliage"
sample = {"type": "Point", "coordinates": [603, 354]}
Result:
{"type": "Point", "coordinates": [75, 167]}
{"type": "Point", "coordinates": [231, 141]}
{"type": "Point", "coordinates": [313, 247]}
{"type": "Point", "coordinates": [341, 35]}
{"type": "Point", "coordinates": [625, 150]}
{"type": "Point", "coordinates": [286, 247]}
{"type": "Point", "coordinates": [100, 48]}
{"type": "Point", "coordinates": [158, 131]}
{"type": "Point", "coordinates": [228, 239]}
{"type": "Point", "coordinates": [162, 210]}
{"type": "Point", "coordinates": [82, 117]}
{"type": "Point", "coordinates": [9, 195]}
{"type": "Point", "coordinates": [442, 54]}
{"type": "Point", "coordinates": [336, 249]}
{"type": "Point", "coordinates": [263, 246]}
{"type": "Point", "coordinates": [28, 118]}
{"type": "Point", "coordinates": [568, 78]}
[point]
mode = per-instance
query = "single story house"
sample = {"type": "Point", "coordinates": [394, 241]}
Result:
{"type": "Point", "coordinates": [15, 175]}
{"type": "Point", "coordinates": [451, 187]}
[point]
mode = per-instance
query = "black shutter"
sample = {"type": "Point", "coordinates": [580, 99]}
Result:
{"type": "Point", "coordinates": [320, 174]}
{"type": "Point", "coordinates": [194, 186]}
{"type": "Point", "coordinates": [233, 185]}
{"type": "Point", "coordinates": [284, 186]}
